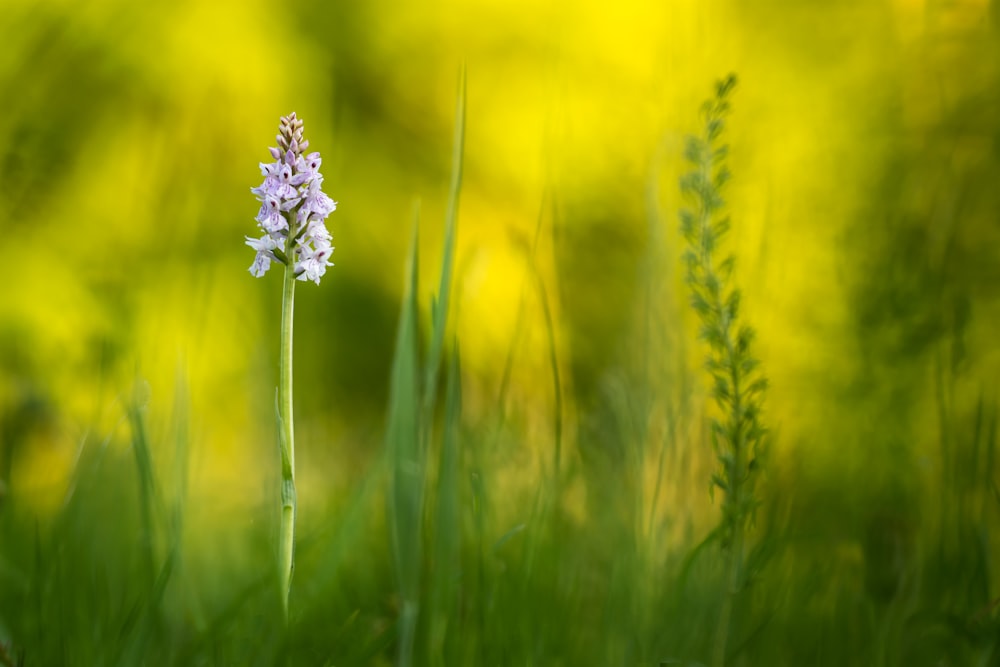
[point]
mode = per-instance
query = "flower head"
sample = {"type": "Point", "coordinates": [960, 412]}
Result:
{"type": "Point", "coordinates": [293, 208]}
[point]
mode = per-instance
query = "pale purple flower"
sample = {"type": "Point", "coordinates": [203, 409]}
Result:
{"type": "Point", "coordinates": [309, 164]}
{"type": "Point", "coordinates": [270, 218]}
{"type": "Point", "coordinates": [313, 264]}
{"type": "Point", "coordinates": [261, 263]}
{"type": "Point", "coordinates": [317, 232]}
{"type": "Point", "coordinates": [264, 247]}
{"type": "Point", "coordinates": [293, 208]}
{"type": "Point", "coordinates": [264, 244]}
{"type": "Point", "coordinates": [320, 204]}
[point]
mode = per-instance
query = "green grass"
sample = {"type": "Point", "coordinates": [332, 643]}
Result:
{"type": "Point", "coordinates": [434, 558]}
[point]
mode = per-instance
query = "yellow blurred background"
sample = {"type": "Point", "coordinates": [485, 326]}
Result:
{"type": "Point", "coordinates": [864, 147]}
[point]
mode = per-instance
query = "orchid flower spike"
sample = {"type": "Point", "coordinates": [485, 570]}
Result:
{"type": "Point", "coordinates": [293, 208]}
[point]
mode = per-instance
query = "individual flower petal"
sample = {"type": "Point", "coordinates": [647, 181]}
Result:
{"type": "Point", "coordinates": [261, 263]}
{"type": "Point", "coordinates": [317, 232]}
{"type": "Point", "coordinates": [263, 244]}
{"type": "Point", "coordinates": [313, 265]}
{"type": "Point", "coordinates": [309, 164]}
{"type": "Point", "coordinates": [270, 217]}
{"type": "Point", "coordinates": [317, 201]}
{"type": "Point", "coordinates": [271, 186]}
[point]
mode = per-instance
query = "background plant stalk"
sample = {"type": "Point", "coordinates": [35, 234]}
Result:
{"type": "Point", "coordinates": [733, 503]}
{"type": "Point", "coordinates": [737, 386]}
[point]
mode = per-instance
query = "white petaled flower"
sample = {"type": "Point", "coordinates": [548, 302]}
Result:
{"type": "Point", "coordinates": [293, 208]}
{"type": "Point", "coordinates": [265, 253]}
{"type": "Point", "coordinates": [313, 262]}
{"type": "Point", "coordinates": [269, 217]}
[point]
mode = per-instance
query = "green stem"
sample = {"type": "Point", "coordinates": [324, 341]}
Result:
{"type": "Point", "coordinates": [286, 548]}
{"type": "Point", "coordinates": [734, 499]}
{"type": "Point", "coordinates": [733, 503]}
{"type": "Point", "coordinates": [734, 565]}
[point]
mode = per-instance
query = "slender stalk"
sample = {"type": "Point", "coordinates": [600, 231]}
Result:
{"type": "Point", "coordinates": [292, 214]}
{"type": "Point", "coordinates": [734, 556]}
{"type": "Point", "coordinates": [734, 497]}
{"type": "Point", "coordinates": [286, 549]}
{"type": "Point", "coordinates": [734, 565]}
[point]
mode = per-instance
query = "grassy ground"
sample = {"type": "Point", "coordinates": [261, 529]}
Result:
{"type": "Point", "coordinates": [494, 536]}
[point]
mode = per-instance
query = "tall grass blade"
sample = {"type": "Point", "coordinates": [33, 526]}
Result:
{"type": "Point", "coordinates": [144, 474]}
{"type": "Point", "coordinates": [447, 526]}
{"type": "Point", "coordinates": [443, 297]}
{"type": "Point", "coordinates": [412, 410]}
{"type": "Point", "coordinates": [403, 446]}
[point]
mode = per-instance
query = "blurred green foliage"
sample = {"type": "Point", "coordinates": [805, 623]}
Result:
{"type": "Point", "coordinates": [563, 514]}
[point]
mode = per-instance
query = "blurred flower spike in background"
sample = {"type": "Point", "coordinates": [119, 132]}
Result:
{"type": "Point", "coordinates": [293, 208]}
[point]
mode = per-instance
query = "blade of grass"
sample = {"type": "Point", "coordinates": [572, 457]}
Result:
{"type": "Point", "coordinates": [413, 413]}
{"type": "Point", "coordinates": [443, 297]}
{"type": "Point", "coordinates": [447, 527]}
{"type": "Point", "coordinates": [403, 447]}
{"type": "Point", "coordinates": [147, 485]}
{"type": "Point", "coordinates": [550, 333]}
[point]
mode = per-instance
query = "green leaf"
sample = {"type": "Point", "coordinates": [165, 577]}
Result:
{"type": "Point", "coordinates": [403, 438]}
{"type": "Point", "coordinates": [722, 176]}
{"type": "Point", "coordinates": [687, 221]}
{"type": "Point", "coordinates": [718, 481]}
{"type": "Point", "coordinates": [444, 288]}
{"type": "Point", "coordinates": [693, 149]}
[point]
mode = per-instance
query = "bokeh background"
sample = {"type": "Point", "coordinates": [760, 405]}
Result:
{"type": "Point", "coordinates": [866, 152]}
